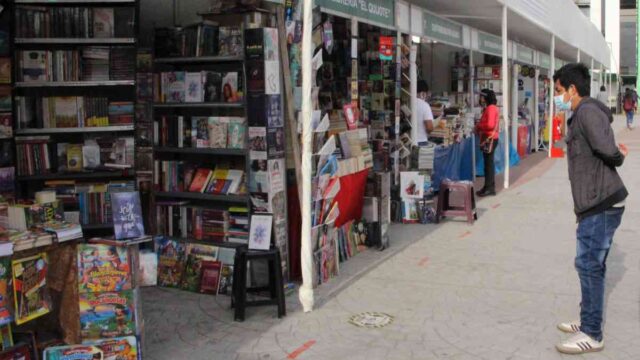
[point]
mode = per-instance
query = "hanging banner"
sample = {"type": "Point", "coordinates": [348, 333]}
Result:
{"type": "Point", "coordinates": [386, 48]}
{"type": "Point", "coordinates": [524, 54]}
{"type": "Point", "coordinates": [489, 44]}
{"type": "Point", "coordinates": [379, 11]}
{"type": "Point", "coordinates": [440, 29]}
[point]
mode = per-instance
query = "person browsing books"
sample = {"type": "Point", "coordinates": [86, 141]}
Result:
{"type": "Point", "coordinates": [424, 114]}
{"type": "Point", "coordinates": [489, 130]}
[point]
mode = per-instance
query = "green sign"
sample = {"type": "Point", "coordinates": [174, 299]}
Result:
{"type": "Point", "coordinates": [439, 29]}
{"type": "Point", "coordinates": [545, 60]}
{"type": "Point", "coordinates": [489, 44]}
{"type": "Point", "coordinates": [524, 54]}
{"type": "Point", "coordinates": [379, 11]}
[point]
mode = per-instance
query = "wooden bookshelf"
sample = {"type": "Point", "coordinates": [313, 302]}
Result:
{"type": "Point", "coordinates": [75, 41]}
{"type": "Point", "coordinates": [238, 199]}
{"type": "Point", "coordinates": [200, 151]}
{"type": "Point", "coordinates": [88, 129]}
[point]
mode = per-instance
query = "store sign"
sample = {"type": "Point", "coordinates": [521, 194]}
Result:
{"type": "Point", "coordinates": [386, 48]}
{"type": "Point", "coordinates": [545, 60]}
{"type": "Point", "coordinates": [379, 11]}
{"type": "Point", "coordinates": [489, 44]}
{"type": "Point", "coordinates": [524, 54]}
{"type": "Point", "coordinates": [440, 29]}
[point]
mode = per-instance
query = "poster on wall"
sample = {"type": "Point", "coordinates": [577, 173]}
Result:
{"type": "Point", "coordinates": [386, 48]}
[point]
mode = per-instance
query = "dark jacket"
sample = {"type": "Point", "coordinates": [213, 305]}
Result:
{"type": "Point", "coordinates": [593, 158]}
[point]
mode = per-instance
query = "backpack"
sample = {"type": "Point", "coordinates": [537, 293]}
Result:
{"type": "Point", "coordinates": [628, 103]}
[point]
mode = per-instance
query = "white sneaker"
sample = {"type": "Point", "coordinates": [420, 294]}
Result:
{"type": "Point", "coordinates": [580, 343]}
{"type": "Point", "coordinates": [569, 327]}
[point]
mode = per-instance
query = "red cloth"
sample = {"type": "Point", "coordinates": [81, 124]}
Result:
{"type": "Point", "coordinates": [489, 125]}
{"type": "Point", "coordinates": [350, 198]}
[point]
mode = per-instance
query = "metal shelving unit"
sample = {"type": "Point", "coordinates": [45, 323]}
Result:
{"type": "Point", "coordinates": [201, 151]}
{"type": "Point", "coordinates": [75, 41]}
{"type": "Point", "coordinates": [200, 105]}
{"type": "Point", "coordinates": [97, 129]}
{"type": "Point", "coordinates": [50, 84]}
{"type": "Point", "coordinates": [237, 199]}
{"type": "Point", "coordinates": [199, 59]}
{"type": "Point", "coordinates": [80, 176]}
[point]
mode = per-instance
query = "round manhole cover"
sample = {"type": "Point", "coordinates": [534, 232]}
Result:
{"type": "Point", "coordinates": [371, 320]}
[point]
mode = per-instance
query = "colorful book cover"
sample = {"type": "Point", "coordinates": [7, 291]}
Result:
{"type": "Point", "coordinates": [170, 270]}
{"type": "Point", "coordinates": [275, 142]}
{"type": "Point", "coordinates": [73, 352]}
{"type": "Point", "coordinates": [103, 23]}
{"type": "Point", "coordinates": [193, 87]}
{"type": "Point", "coordinates": [74, 157]}
{"type": "Point", "coordinates": [210, 280]}
{"type": "Point", "coordinates": [6, 126]}
{"type": "Point", "coordinates": [192, 274]}
{"type": "Point", "coordinates": [217, 132]}
{"type": "Point", "coordinates": [237, 129]}
{"type": "Point", "coordinates": [5, 275]}
{"type": "Point", "coordinates": [271, 50]}
{"type": "Point", "coordinates": [66, 111]}
{"type": "Point", "coordinates": [108, 314]}
{"type": "Point", "coordinates": [103, 268]}
{"type": "Point", "coordinates": [31, 297]}
{"type": "Point", "coordinates": [230, 87]}
{"type": "Point", "coordinates": [200, 132]}
{"type": "Point", "coordinates": [6, 337]}
{"type": "Point", "coordinates": [127, 215]}
{"type": "Point", "coordinates": [122, 348]}
{"type": "Point", "coordinates": [175, 82]}
{"type": "Point", "coordinates": [21, 352]}
{"type": "Point", "coordinates": [226, 280]}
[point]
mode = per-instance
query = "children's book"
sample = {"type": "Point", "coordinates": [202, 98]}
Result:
{"type": "Point", "coordinates": [122, 348]}
{"type": "Point", "coordinates": [171, 257]}
{"type": "Point", "coordinates": [103, 268]}
{"type": "Point", "coordinates": [5, 278]}
{"type": "Point", "coordinates": [31, 297]}
{"type": "Point", "coordinates": [127, 215]}
{"type": "Point", "coordinates": [73, 352]}
{"type": "Point", "coordinates": [107, 314]}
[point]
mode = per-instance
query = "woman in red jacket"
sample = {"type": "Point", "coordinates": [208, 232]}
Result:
{"type": "Point", "coordinates": [489, 130]}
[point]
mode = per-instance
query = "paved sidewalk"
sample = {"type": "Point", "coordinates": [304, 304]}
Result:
{"type": "Point", "coordinates": [494, 290]}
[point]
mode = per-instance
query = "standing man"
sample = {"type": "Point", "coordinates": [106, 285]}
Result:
{"type": "Point", "coordinates": [629, 104]}
{"type": "Point", "coordinates": [424, 114]}
{"type": "Point", "coordinates": [598, 197]}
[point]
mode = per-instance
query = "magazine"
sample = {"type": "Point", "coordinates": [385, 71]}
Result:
{"type": "Point", "coordinates": [103, 268]}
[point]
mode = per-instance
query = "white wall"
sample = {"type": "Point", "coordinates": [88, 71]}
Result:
{"type": "Point", "coordinates": [612, 32]}
{"type": "Point", "coordinates": [595, 13]}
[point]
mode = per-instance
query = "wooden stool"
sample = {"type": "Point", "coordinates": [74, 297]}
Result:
{"type": "Point", "coordinates": [240, 289]}
{"type": "Point", "coordinates": [445, 209]}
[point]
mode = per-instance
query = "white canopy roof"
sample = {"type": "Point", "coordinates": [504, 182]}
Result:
{"type": "Point", "coordinates": [526, 19]}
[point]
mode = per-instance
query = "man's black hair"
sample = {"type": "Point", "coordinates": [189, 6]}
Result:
{"type": "Point", "coordinates": [575, 74]}
{"type": "Point", "coordinates": [602, 88]}
{"type": "Point", "coordinates": [422, 86]}
{"type": "Point", "coordinates": [489, 96]}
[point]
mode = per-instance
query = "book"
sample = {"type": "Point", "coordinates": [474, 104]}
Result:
{"type": "Point", "coordinates": [64, 231]}
{"type": "Point", "coordinates": [171, 257]}
{"type": "Point", "coordinates": [275, 142]}
{"type": "Point", "coordinates": [5, 70]}
{"type": "Point", "coordinates": [194, 87]}
{"type": "Point", "coordinates": [74, 157]}
{"type": "Point", "coordinates": [200, 131]}
{"type": "Point", "coordinates": [6, 337]}
{"type": "Point", "coordinates": [256, 112]}
{"type": "Point", "coordinates": [127, 215]}
{"type": "Point", "coordinates": [33, 65]}
{"type": "Point", "coordinates": [260, 233]}
{"type": "Point", "coordinates": [7, 180]}
{"type": "Point", "coordinates": [254, 44]}
{"type": "Point", "coordinates": [210, 279]}
{"type": "Point", "coordinates": [103, 21]}
{"type": "Point", "coordinates": [200, 180]}
{"type": "Point", "coordinates": [107, 314]}
{"type": "Point", "coordinates": [255, 77]}
{"type": "Point", "coordinates": [226, 280]}
{"type": "Point", "coordinates": [21, 352]}
{"type": "Point", "coordinates": [5, 98]}
{"type": "Point", "coordinates": [217, 127]}
{"type": "Point", "coordinates": [230, 87]}
{"type": "Point", "coordinates": [120, 348]}
{"type": "Point", "coordinates": [174, 86]}
{"type": "Point", "coordinates": [30, 292]}
{"type": "Point", "coordinates": [67, 112]}
{"type": "Point", "coordinates": [236, 133]}
{"type": "Point", "coordinates": [5, 278]}
{"type": "Point", "coordinates": [230, 41]}
{"type": "Point", "coordinates": [212, 86]}
{"type": "Point", "coordinates": [73, 352]}
{"type": "Point", "coordinates": [103, 268]}
{"type": "Point", "coordinates": [274, 111]}
{"type": "Point", "coordinates": [192, 274]}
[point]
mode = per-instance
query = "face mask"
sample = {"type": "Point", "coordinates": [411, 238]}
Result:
{"type": "Point", "coordinates": [560, 104]}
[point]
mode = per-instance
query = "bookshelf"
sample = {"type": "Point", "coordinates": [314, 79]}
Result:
{"type": "Point", "coordinates": [197, 151]}
{"type": "Point", "coordinates": [236, 199]}
{"type": "Point", "coordinates": [200, 105]}
{"type": "Point", "coordinates": [73, 144]}
{"type": "Point", "coordinates": [7, 113]}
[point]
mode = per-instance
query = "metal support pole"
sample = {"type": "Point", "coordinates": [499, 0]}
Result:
{"type": "Point", "coordinates": [472, 107]}
{"type": "Point", "coordinates": [514, 103]}
{"type": "Point", "coordinates": [413, 75]}
{"type": "Point", "coordinates": [536, 112]}
{"type": "Point", "coordinates": [306, 294]}
{"type": "Point", "coordinates": [551, 92]}
{"type": "Point", "coordinates": [505, 94]}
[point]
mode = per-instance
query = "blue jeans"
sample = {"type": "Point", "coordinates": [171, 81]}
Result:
{"type": "Point", "coordinates": [595, 235]}
{"type": "Point", "coordinates": [630, 117]}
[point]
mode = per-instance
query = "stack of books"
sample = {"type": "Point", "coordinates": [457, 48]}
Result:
{"type": "Point", "coordinates": [32, 155]}
{"type": "Point", "coordinates": [64, 231]}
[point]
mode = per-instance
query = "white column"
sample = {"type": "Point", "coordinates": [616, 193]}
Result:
{"type": "Point", "coordinates": [396, 129]}
{"type": "Point", "coordinates": [536, 113]}
{"type": "Point", "coordinates": [413, 75]}
{"type": "Point", "coordinates": [505, 94]}
{"type": "Point", "coordinates": [472, 107]}
{"type": "Point", "coordinates": [514, 104]}
{"type": "Point", "coordinates": [305, 294]}
{"type": "Point", "coordinates": [578, 56]}
{"type": "Point", "coordinates": [551, 91]}
{"type": "Point", "coordinates": [592, 75]}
